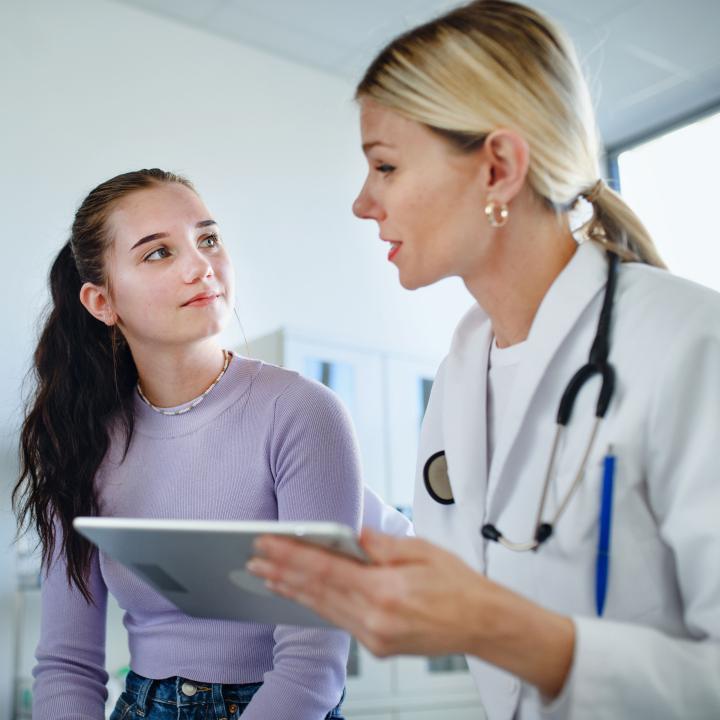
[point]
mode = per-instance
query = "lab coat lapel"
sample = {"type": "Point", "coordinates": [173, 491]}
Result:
{"type": "Point", "coordinates": [464, 411]}
{"type": "Point", "coordinates": [579, 282]}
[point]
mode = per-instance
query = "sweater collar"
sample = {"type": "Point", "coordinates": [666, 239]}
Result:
{"type": "Point", "coordinates": [232, 386]}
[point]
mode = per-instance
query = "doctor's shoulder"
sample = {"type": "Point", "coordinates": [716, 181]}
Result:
{"type": "Point", "coordinates": [665, 307]}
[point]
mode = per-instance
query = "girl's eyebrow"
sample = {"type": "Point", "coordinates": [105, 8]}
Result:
{"type": "Point", "coordinates": [157, 236]}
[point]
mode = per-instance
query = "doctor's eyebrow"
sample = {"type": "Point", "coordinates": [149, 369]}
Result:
{"type": "Point", "coordinates": [375, 143]}
{"type": "Point", "coordinates": [158, 236]}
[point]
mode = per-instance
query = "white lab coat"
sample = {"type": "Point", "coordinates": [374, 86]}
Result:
{"type": "Point", "coordinates": [656, 651]}
{"type": "Point", "coordinates": [378, 515]}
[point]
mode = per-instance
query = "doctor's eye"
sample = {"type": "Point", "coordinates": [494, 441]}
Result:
{"type": "Point", "coordinates": [385, 168]}
{"type": "Point", "coordinates": [210, 241]}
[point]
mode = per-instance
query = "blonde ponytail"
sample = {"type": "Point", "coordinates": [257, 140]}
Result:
{"type": "Point", "coordinates": [491, 64]}
{"type": "Point", "coordinates": [615, 226]}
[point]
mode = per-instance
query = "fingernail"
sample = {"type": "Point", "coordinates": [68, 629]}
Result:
{"type": "Point", "coordinates": [254, 566]}
{"type": "Point", "coordinates": [259, 544]}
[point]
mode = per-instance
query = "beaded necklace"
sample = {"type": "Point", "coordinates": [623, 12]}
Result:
{"type": "Point", "coordinates": [193, 403]}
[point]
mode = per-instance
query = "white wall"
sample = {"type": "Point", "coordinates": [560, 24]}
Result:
{"type": "Point", "coordinates": [89, 88]}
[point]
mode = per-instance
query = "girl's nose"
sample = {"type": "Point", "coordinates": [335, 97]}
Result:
{"type": "Point", "coordinates": [196, 267]}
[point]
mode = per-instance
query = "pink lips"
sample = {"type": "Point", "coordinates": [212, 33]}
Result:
{"type": "Point", "coordinates": [201, 300]}
{"type": "Point", "coordinates": [394, 250]}
{"type": "Point", "coordinates": [395, 247]}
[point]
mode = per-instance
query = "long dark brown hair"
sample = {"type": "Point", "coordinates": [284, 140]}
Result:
{"type": "Point", "coordinates": [84, 378]}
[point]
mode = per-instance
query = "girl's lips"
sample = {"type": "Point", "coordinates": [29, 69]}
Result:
{"type": "Point", "coordinates": [394, 250]}
{"type": "Point", "coordinates": [201, 301]}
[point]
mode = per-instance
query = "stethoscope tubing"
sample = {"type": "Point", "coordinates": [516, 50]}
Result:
{"type": "Point", "coordinates": [597, 364]}
{"type": "Point", "coordinates": [534, 544]}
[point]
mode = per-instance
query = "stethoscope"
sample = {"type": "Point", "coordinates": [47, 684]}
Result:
{"type": "Point", "coordinates": [435, 473]}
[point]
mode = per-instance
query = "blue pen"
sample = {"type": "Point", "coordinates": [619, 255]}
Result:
{"type": "Point", "coordinates": [603, 552]}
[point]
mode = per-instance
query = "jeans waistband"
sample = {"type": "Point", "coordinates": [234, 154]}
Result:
{"type": "Point", "coordinates": [184, 692]}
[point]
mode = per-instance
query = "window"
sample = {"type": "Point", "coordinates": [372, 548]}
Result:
{"type": "Point", "coordinates": [672, 183]}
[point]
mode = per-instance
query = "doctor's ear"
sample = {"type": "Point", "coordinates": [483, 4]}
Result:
{"type": "Point", "coordinates": [507, 157]}
{"type": "Point", "coordinates": [96, 301]}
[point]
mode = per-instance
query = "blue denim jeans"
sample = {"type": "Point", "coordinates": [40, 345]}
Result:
{"type": "Point", "coordinates": [176, 698]}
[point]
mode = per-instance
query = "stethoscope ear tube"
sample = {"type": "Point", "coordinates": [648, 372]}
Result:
{"type": "Point", "coordinates": [606, 390]}
{"type": "Point", "coordinates": [578, 380]}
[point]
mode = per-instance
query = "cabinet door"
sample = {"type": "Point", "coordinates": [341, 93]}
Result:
{"type": "Point", "coordinates": [407, 390]}
{"type": "Point", "coordinates": [117, 655]}
{"type": "Point", "coordinates": [367, 676]}
{"type": "Point", "coordinates": [443, 713]}
{"type": "Point", "coordinates": [433, 674]}
{"type": "Point", "coordinates": [356, 376]}
{"type": "Point", "coordinates": [27, 627]}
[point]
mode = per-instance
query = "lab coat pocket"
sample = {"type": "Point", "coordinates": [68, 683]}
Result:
{"type": "Point", "coordinates": [637, 555]}
{"type": "Point", "coordinates": [639, 560]}
{"type": "Point", "coordinates": [577, 527]}
{"type": "Point", "coordinates": [566, 570]}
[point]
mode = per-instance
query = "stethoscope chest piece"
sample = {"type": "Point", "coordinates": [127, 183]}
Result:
{"type": "Point", "coordinates": [437, 479]}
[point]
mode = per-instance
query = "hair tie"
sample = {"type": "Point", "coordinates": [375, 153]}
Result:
{"type": "Point", "coordinates": [594, 192]}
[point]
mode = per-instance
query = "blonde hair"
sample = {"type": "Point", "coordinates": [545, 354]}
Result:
{"type": "Point", "coordinates": [492, 64]}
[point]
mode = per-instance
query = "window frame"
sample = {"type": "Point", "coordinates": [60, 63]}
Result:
{"type": "Point", "coordinates": [613, 152]}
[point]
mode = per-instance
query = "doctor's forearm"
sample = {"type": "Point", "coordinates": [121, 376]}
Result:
{"type": "Point", "coordinates": [525, 639]}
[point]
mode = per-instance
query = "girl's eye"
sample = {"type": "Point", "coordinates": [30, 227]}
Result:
{"type": "Point", "coordinates": [385, 168]}
{"type": "Point", "coordinates": [210, 241]}
{"type": "Point", "coordinates": [158, 254]}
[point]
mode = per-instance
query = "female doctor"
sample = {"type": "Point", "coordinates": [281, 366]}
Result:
{"type": "Point", "coordinates": [570, 517]}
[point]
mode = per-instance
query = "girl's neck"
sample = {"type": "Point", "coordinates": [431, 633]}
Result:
{"type": "Point", "coordinates": [174, 376]}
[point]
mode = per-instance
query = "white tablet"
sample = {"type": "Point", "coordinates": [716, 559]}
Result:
{"type": "Point", "coordinates": [199, 565]}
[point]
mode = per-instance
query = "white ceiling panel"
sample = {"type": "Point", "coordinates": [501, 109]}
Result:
{"type": "Point", "coordinates": [648, 61]}
{"type": "Point", "coordinates": [282, 39]}
{"type": "Point", "coordinates": [344, 20]}
{"type": "Point", "coordinates": [614, 80]}
{"type": "Point", "coordinates": [685, 32]}
{"type": "Point", "coordinates": [193, 11]}
{"type": "Point", "coordinates": [589, 13]}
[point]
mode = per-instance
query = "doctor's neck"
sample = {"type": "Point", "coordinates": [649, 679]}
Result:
{"type": "Point", "coordinates": [524, 258]}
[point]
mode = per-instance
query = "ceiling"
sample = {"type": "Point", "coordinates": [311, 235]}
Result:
{"type": "Point", "coordinates": [650, 63]}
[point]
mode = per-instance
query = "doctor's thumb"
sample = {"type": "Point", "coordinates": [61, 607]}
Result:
{"type": "Point", "coordinates": [386, 549]}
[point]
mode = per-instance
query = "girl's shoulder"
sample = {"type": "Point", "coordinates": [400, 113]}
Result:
{"type": "Point", "coordinates": [288, 386]}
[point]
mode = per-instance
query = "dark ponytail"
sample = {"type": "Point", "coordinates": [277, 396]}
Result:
{"type": "Point", "coordinates": [85, 376]}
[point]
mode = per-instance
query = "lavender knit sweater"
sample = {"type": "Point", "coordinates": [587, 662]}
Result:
{"type": "Point", "coordinates": [264, 444]}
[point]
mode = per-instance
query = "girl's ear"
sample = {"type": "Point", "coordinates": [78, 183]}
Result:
{"type": "Point", "coordinates": [96, 301]}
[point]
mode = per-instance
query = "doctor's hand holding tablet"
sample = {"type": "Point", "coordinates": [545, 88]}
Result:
{"type": "Point", "coordinates": [567, 489]}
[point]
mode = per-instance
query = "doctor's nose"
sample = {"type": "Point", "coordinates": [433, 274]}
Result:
{"type": "Point", "coordinates": [365, 206]}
